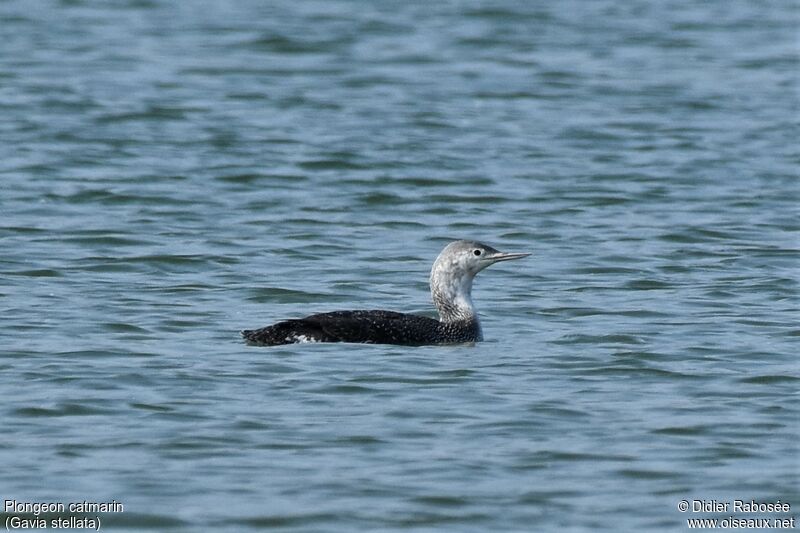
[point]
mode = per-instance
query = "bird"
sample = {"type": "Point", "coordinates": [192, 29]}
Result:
{"type": "Point", "coordinates": [451, 290]}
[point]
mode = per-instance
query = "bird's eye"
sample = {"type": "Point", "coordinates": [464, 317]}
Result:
{"type": "Point", "coordinates": [477, 252]}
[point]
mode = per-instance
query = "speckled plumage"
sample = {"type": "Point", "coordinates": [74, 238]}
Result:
{"type": "Point", "coordinates": [370, 326]}
{"type": "Point", "coordinates": [451, 286]}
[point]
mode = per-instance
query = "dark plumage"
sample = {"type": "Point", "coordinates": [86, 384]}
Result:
{"type": "Point", "coordinates": [370, 326]}
{"type": "Point", "coordinates": [451, 286]}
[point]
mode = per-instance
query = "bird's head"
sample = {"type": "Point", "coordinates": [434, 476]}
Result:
{"type": "Point", "coordinates": [453, 272]}
{"type": "Point", "coordinates": [470, 257]}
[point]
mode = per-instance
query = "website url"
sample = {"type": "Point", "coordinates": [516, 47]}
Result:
{"type": "Point", "coordinates": [740, 523]}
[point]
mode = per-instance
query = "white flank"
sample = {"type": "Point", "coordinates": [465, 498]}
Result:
{"type": "Point", "coordinates": [301, 339]}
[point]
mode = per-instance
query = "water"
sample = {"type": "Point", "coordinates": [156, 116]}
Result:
{"type": "Point", "coordinates": [173, 172]}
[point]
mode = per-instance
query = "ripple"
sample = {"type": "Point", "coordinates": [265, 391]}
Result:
{"type": "Point", "coordinates": [648, 474]}
{"type": "Point", "coordinates": [648, 285]}
{"type": "Point", "coordinates": [65, 409]}
{"type": "Point", "coordinates": [684, 430]}
{"type": "Point", "coordinates": [286, 520]}
{"type": "Point", "coordinates": [35, 273]}
{"type": "Point", "coordinates": [770, 379]}
{"type": "Point", "coordinates": [343, 389]}
{"type": "Point", "coordinates": [600, 339]}
{"type": "Point", "coordinates": [280, 295]}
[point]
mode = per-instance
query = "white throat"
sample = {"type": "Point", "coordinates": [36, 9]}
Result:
{"type": "Point", "coordinates": [451, 289]}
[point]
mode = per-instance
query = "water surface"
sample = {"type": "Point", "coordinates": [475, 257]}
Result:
{"type": "Point", "coordinates": [174, 172]}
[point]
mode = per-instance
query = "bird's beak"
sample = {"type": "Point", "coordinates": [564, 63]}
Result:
{"type": "Point", "coordinates": [501, 256]}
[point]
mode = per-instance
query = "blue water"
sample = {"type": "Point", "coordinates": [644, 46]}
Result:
{"type": "Point", "coordinates": [173, 172]}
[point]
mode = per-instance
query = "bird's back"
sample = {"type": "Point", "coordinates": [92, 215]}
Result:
{"type": "Point", "coordinates": [365, 326]}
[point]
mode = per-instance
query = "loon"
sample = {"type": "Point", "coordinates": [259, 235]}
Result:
{"type": "Point", "coordinates": [451, 288]}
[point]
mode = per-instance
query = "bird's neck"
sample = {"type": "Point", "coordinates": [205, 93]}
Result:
{"type": "Point", "coordinates": [452, 296]}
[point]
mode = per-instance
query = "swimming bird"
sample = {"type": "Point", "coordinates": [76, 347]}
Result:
{"type": "Point", "coordinates": [451, 290]}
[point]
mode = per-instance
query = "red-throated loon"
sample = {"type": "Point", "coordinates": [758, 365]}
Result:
{"type": "Point", "coordinates": [451, 289]}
